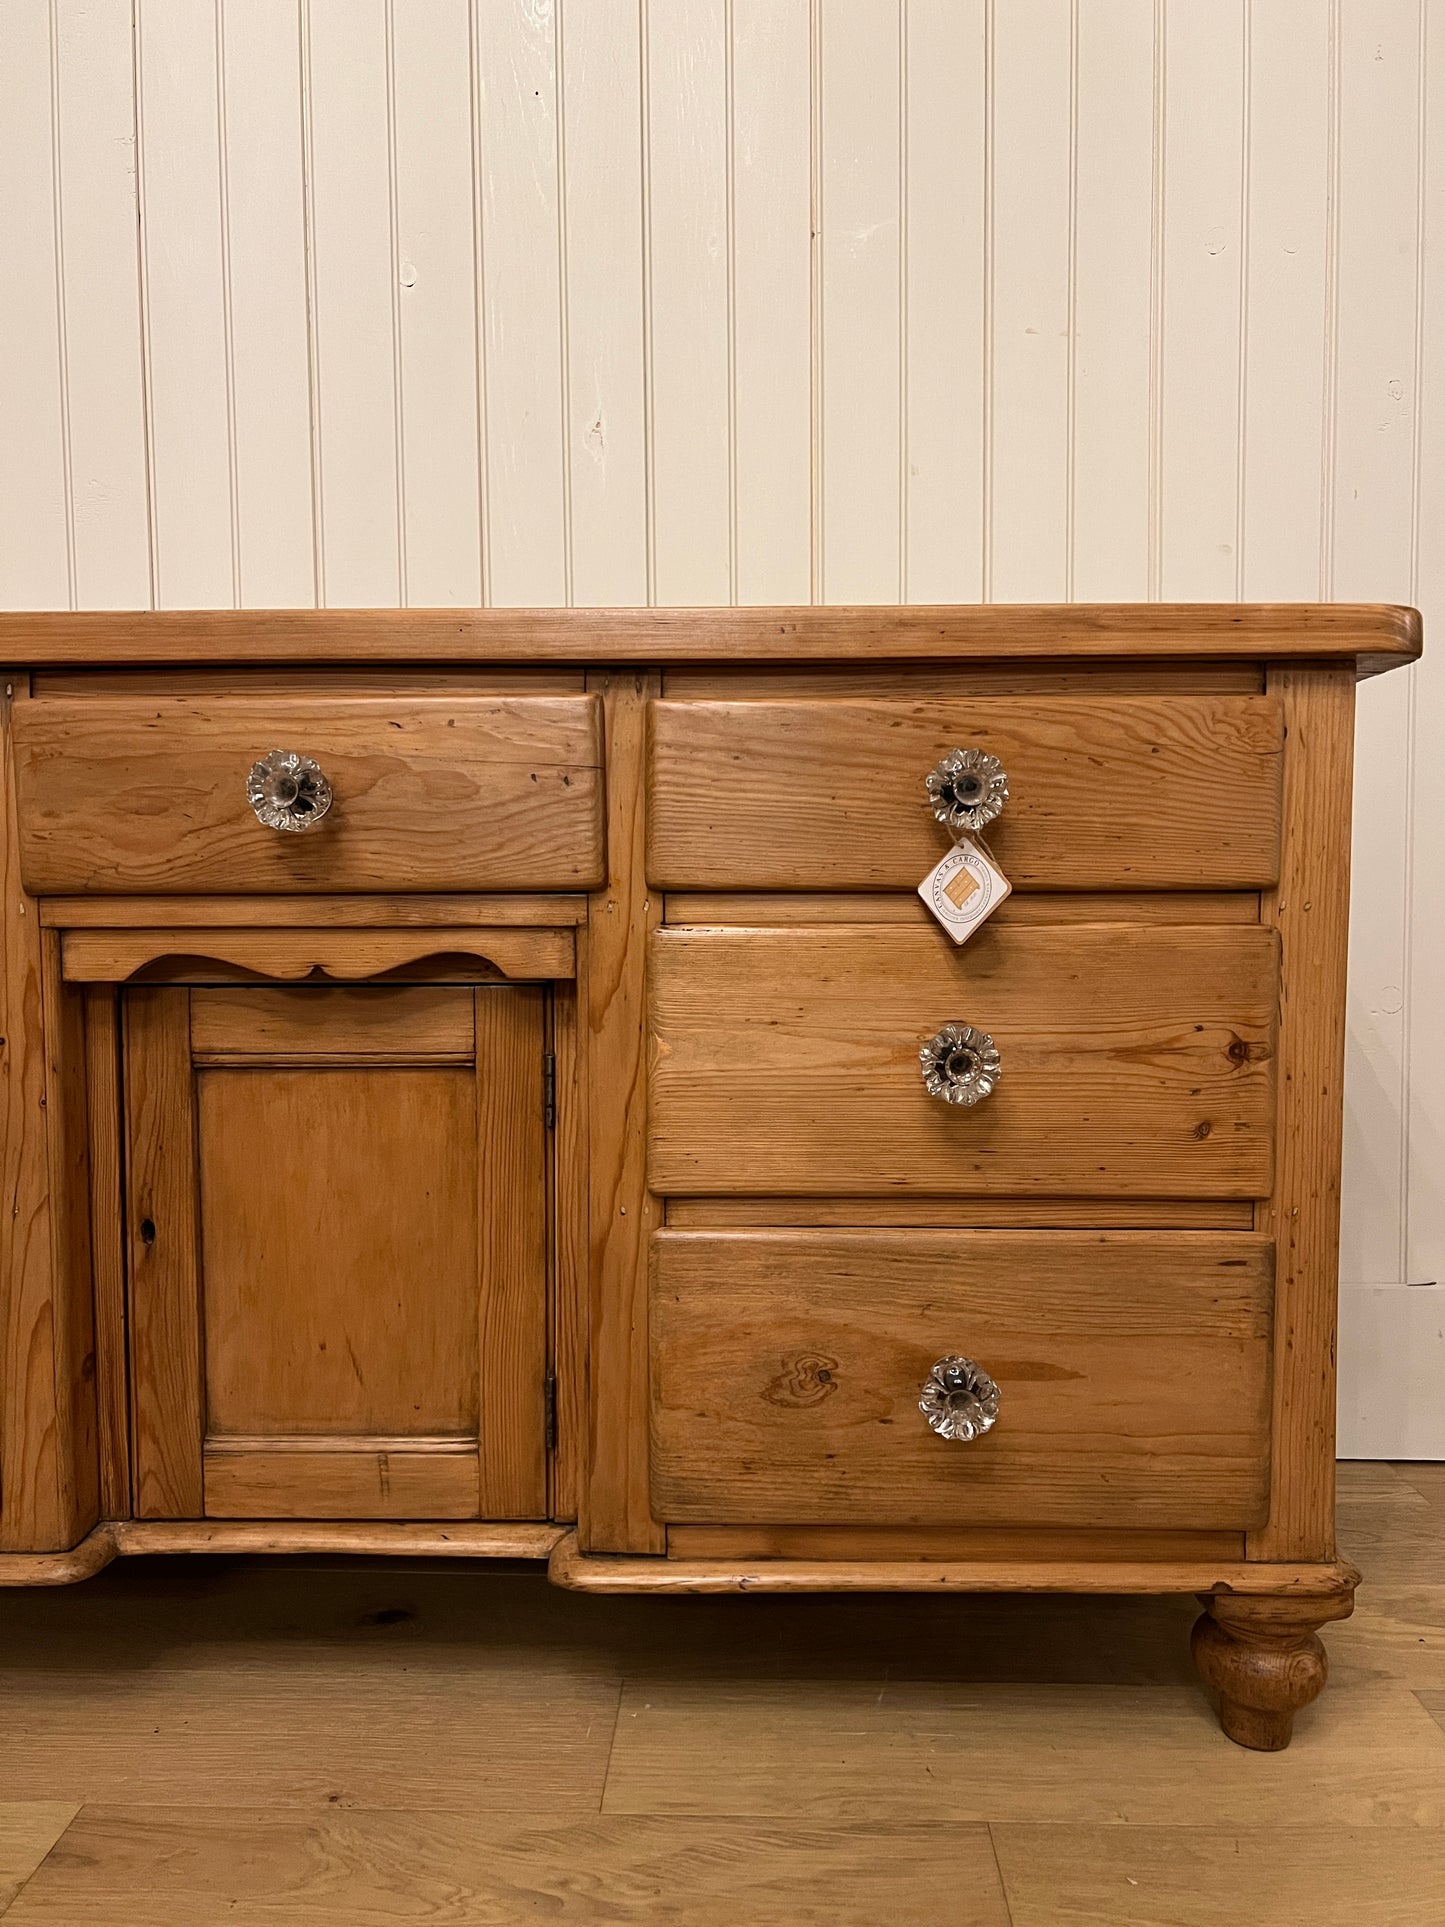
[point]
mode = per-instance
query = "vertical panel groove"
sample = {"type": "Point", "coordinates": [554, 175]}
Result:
{"type": "Point", "coordinates": [989, 138]}
{"type": "Point", "coordinates": [1407, 975]}
{"type": "Point", "coordinates": [1375, 463]}
{"type": "Point", "coordinates": [1242, 378]}
{"type": "Point", "coordinates": [730, 175]}
{"type": "Point", "coordinates": [645, 135]}
{"type": "Point", "coordinates": [1156, 309]}
{"type": "Point", "coordinates": [142, 282]}
{"type": "Point", "coordinates": [479, 268]}
{"type": "Point", "coordinates": [815, 294]}
{"type": "Point", "coordinates": [1031, 84]}
{"type": "Point", "coordinates": [1071, 374]}
{"type": "Point", "coordinates": [903, 343]}
{"type": "Point", "coordinates": [1329, 439]}
{"type": "Point", "coordinates": [398, 392]}
{"type": "Point", "coordinates": [67, 460]}
{"type": "Point", "coordinates": [1406, 1414]}
{"type": "Point", "coordinates": [313, 358]}
{"type": "Point", "coordinates": [564, 330]}
{"type": "Point", "coordinates": [228, 320]}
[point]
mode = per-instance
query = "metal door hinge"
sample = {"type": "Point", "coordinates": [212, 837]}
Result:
{"type": "Point", "coordinates": [549, 1090]}
{"type": "Point", "coordinates": [549, 1410]}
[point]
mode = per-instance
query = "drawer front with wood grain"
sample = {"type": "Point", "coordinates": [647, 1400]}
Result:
{"type": "Point", "coordinates": [122, 794]}
{"type": "Point", "coordinates": [1132, 1370]}
{"type": "Point", "coordinates": [1117, 792]}
{"type": "Point", "coordinates": [1135, 1061]}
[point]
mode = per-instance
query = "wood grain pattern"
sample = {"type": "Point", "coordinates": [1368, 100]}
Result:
{"type": "Point", "coordinates": [38, 1471]}
{"type": "Point", "coordinates": [569, 1250]}
{"type": "Point", "coordinates": [378, 1708]}
{"type": "Point", "coordinates": [111, 956]}
{"type": "Point", "coordinates": [372, 1261]}
{"type": "Point", "coordinates": [300, 679]}
{"type": "Point", "coordinates": [88, 1556]}
{"type": "Point", "coordinates": [615, 1514]}
{"type": "Point", "coordinates": [28, 1830]}
{"type": "Point", "coordinates": [72, 1316]}
{"type": "Point", "coordinates": [121, 795]}
{"type": "Point", "coordinates": [224, 1662]}
{"type": "Point", "coordinates": [1196, 1875]}
{"type": "Point", "coordinates": [380, 1479]}
{"type": "Point", "coordinates": [416, 1539]}
{"type": "Point", "coordinates": [1104, 792]}
{"type": "Point", "coordinates": [787, 1367]}
{"type": "Point", "coordinates": [375, 1020]}
{"type": "Point", "coordinates": [340, 1237]}
{"type": "Point", "coordinates": [1137, 1020]}
{"type": "Point", "coordinates": [778, 907]}
{"type": "Point", "coordinates": [1265, 1661]}
{"type": "Point", "coordinates": [981, 1213]}
{"type": "Point", "coordinates": [1374, 636]}
{"type": "Point", "coordinates": [948, 1544]}
{"type": "Point", "coordinates": [944, 682]}
{"type": "Point", "coordinates": [106, 1191]}
{"type": "Point", "coordinates": [1136, 1062]}
{"type": "Point", "coordinates": [329, 913]}
{"type": "Point", "coordinates": [163, 1243]}
{"type": "Point", "coordinates": [1136, 1756]}
{"type": "Point", "coordinates": [511, 1213]}
{"type": "Point", "coordinates": [124, 1866]}
{"type": "Point", "coordinates": [578, 1571]}
{"type": "Point", "coordinates": [1310, 909]}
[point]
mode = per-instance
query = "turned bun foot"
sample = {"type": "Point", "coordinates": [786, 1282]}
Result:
{"type": "Point", "coordinates": [1263, 1659]}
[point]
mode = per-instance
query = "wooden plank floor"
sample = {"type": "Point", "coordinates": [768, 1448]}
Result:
{"type": "Point", "coordinates": [319, 1744]}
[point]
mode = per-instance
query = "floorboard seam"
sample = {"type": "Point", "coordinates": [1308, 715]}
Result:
{"type": "Point", "coordinates": [6, 1907]}
{"type": "Point", "coordinates": [998, 1869]}
{"type": "Point", "coordinates": [612, 1748]}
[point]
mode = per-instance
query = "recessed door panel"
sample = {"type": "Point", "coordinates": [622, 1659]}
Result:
{"type": "Point", "coordinates": [338, 1251]}
{"type": "Point", "coordinates": [340, 1289]}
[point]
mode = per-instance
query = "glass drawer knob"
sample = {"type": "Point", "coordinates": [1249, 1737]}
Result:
{"type": "Point", "coordinates": [960, 1065]}
{"type": "Point", "coordinates": [288, 791]}
{"type": "Point", "coordinates": [959, 1399]}
{"type": "Point", "coordinates": [967, 790]}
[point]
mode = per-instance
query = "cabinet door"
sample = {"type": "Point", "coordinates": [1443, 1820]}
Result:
{"type": "Point", "coordinates": [337, 1232]}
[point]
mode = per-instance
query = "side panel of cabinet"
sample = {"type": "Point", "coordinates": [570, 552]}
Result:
{"type": "Point", "coordinates": [1310, 909]}
{"type": "Point", "coordinates": [49, 1494]}
{"type": "Point", "coordinates": [338, 1252]}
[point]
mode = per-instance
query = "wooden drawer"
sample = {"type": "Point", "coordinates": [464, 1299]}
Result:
{"type": "Point", "coordinates": [1137, 1061]}
{"type": "Point", "coordinates": [1117, 792]}
{"type": "Point", "coordinates": [1133, 1368]}
{"type": "Point", "coordinates": [125, 794]}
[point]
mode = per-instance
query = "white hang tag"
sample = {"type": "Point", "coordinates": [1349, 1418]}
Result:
{"type": "Point", "coordinates": [964, 889]}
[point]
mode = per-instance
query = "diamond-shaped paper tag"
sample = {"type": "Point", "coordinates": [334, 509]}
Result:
{"type": "Point", "coordinates": [964, 889]}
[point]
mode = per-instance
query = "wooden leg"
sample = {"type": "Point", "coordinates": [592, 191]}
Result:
{"type": "Point", "coordinates": [1263, 1659]}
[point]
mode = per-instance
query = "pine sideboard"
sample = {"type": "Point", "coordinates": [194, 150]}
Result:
{"type": "Point", "coordinates": [463, 1096]}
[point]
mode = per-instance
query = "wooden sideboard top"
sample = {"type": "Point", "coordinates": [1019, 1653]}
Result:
{"type": "Point", "coordinates": [1376, 636]}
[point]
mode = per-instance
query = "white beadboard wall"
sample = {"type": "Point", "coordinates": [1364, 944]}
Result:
{"type": "Point", "coordinates": [708, 301]}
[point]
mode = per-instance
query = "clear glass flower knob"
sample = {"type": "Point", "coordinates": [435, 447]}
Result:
{"type": "Point", "coordinates": [959, 1399]}
{"type": "Point", "coordinates": [967, 789]}
{"type": "Point", "coordinates": [960, 1065]}
{"type": "Point", "coordinates": [288, 791]}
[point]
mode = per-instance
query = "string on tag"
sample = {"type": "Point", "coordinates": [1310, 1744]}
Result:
{"type": "Point", "coordinates": [966, 791]}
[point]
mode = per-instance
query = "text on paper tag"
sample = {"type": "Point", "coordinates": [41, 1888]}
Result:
{"type": "Point", "coordinates": [964, 889]}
